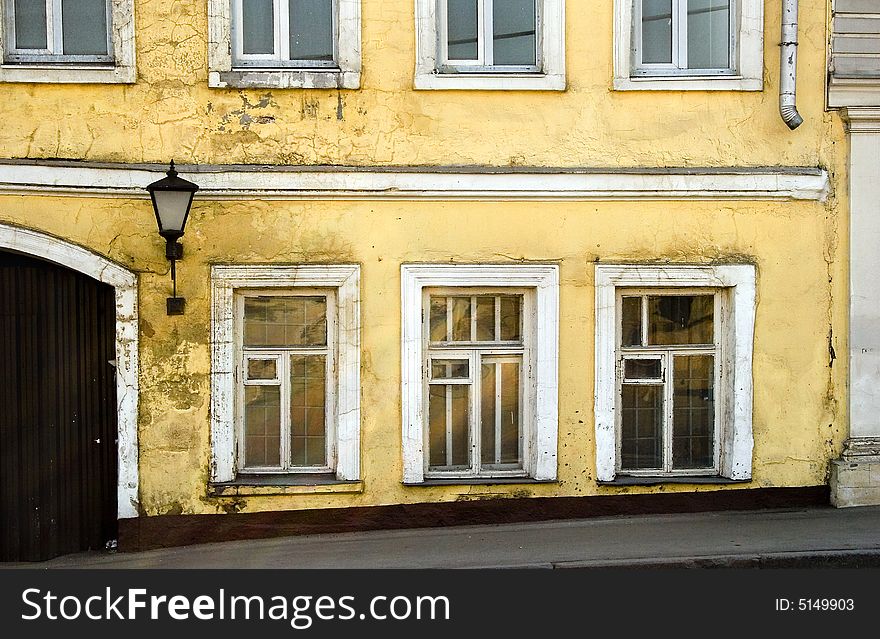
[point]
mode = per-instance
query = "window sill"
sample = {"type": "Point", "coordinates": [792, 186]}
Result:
{"type": "Point", "coordinates": [478, 481]}
{"type": "Point", "coordinates": [689, 83]}
{"type": "Point", "coordinates": [491, 81]}
{"type": "Point", "coordinates": [631, 480]}
{"type": "Point", "coordinates": [284, 79]}
{"type": "Point", "coordinates": [293, 484]}
{"type": "Point", "coordinates": [67, 73]}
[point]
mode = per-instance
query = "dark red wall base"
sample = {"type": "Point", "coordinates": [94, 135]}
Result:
{"type": "Point", "coordinates": [145, 533]}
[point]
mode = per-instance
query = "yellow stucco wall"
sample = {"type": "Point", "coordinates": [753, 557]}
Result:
{"type": "Point", "coordinates": [799, 247]}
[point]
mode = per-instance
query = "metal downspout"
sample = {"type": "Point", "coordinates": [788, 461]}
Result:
{"type": "Point", "coordinates": [788, 65]}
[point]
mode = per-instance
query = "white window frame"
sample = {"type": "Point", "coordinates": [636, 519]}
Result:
{"type": "Point", "coordinates": [50, 66]}
{"type": "Point", "coordinates": [225, 282]}
{"type": "Point", "coordinates": [433, 72]}
{"type": "Point", "coordinates": [224, 69]}
{"type": "Point", "coordinates": [474, 353]}
{"type": "Point", "coordinates": [736, 335]}
{"type": "Point", "coordinates": [543, 282]}
{"type": "Point", "coordinates": [281, 356]}
{"type": "Point", "coordinates": [746, 72]}
{"type": "Point", "coordinates": [665, 354]}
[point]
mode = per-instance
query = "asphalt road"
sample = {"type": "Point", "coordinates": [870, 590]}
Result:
{"type": "Point", "coordinates": [769, 538]}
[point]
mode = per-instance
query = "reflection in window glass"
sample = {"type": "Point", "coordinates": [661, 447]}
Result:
{"type": "Point", "coordinates": [262, 369]}
{"type": "Point", "coordinates": [656, 31]}
{"type": "Point", "coordinates": [514, 32]}
{"type": "Point", "coordinates": [448, 418]}
{"type": "Point", "coordinates": [681, 319]}
{"type": "Point", "coordinates": [84, 27]}
{"type": "Point", "coordinates": [258, 26]}
{"type": "Point", "coordinates": [462, 22]}
{"type": "Point", "coordinates": [311, 30]}
{"type": "Point", "coordinates": [631, 334]}
{"type": "Point", "coordinates": [708, 30]}
{"type": "Point", "coordinates": [308, 384]}
{"type": "Point", "coordinates": [262, 415]}
{"type": "Point", "coordinates": [693, 406]}
{"type": "Point", "coordinates": [285, 321]}
{"type": "Point", "coordinates": [449, 369]}
{"type": "Point", "coordinates": [642, 369]}
{"type": "Point", "coordinates": [641, 442]}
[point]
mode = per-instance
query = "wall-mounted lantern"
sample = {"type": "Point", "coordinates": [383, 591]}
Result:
{"type": "Point", "coordinates": [172, 198]}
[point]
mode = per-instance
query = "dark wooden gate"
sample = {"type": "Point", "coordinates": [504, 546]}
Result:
{"type": "Point", "coordinates": [57, 410]}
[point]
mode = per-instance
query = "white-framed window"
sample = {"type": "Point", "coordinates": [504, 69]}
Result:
{"type": "Point", "coordinates": [490, 44]}
{"type": "Point", "coordinates": [285, 371]}
{"type": "Point", "coordinates": [480, 357]}
{"type": "Point", "coordinates": [689, 44]}
{"type": "Point", "coordinates": [284, 43]}
{"type": "Point", "coordinates": [673, 371]}
{"type": "Point", "coordinates": [67, 41]}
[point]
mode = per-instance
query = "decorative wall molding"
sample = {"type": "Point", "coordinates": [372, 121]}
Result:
{"type": "Point", "coordinates": [124, 282]}
{"type": "Point", "coordinates": [18, 177]}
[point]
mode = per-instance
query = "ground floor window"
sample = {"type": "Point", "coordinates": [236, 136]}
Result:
{"type": "Point", "coordinates": [476, 371]}
{"type": "Point", "coordinates": [480, 357]}
{"type": "Point", "coordinates": [669, 359]}
{"type": "Point", "coordinates": [673, 394]}
{"type": "Point", "coordinates": [285, 371]}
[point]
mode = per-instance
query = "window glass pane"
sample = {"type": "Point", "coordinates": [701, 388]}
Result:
{"type": "Point", "coordinates": [510, 421]}
{"type": "Point", "coordinates": [656, 31]}
{"type": "Point", "coordinates": [511, 318]}
{"type": "Point", "coordinates": [681, 319]}
{"type": "Point", "coordinates": [30, 24]}
{"type": "Point", "coordinates": [261, 369]}
{"type": "Point", "coordinates": [448, 426]}
{"type": "Point", "coordinates": [488, 405]}
{"type": "Point", "coordinates": [438, 319]}
{"type": "Point", "coordinates": [449, 369]}
{"type": "Point", "coordinates": [631, 335]}
{"type": "Point", "coordinates": [84, 27]}
{"type": "Point", "coordinates": [500, 413]}
{"type": "Point", "coordinates": [308, 388]}
{"type": "Point", "coordinates": [285, 321]}
{"type": "Point", "coordinates": [461, 319]}
{"type": "Point", "coordinates": [262, 425]}
{"type": "Point", "coordinates": [461, 22]}
{"type": "Point", "coordinates": [642, 369]}
{"type": "Point", "coordinates": [258, 26]}
{"type": "Point", "coordinates": [693, 405]}
{"type": "Point", "coordinates": [311, 30]}
{"type": "Point", "coordinates": [485, 319]}
{"type": "Point", "coordinates": [307, 410]}
{"type": "Point", "coordinates": [708, 34]}
{"type": "Point", "coordinates": [514, 37]}
{"type": "Point", "coordinates": [641, 444]}
{"type": "Point", "coordinates": [437, 425]}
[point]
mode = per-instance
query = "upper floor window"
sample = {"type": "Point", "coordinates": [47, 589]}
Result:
{"type": "Point", "coordinates": [688, 44]}
{"type": "Point", "coordinates": [58, 31]}
{"type": "Point", "coordinates": [68, 41]}
{"type": "Point", "coordinates": [489, 35]}
{"type": "Point", "coordinates": [294, 33]}
{"type": "Point", "coordinates": [684, 36]}
{"type": "Point", "coordinates": [284, 43]}
{"type": "Point", "coordinates": [490, 44]}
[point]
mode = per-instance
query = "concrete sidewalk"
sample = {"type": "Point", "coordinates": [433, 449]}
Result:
{"type": "Point", "coordinates": [768, 538]}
